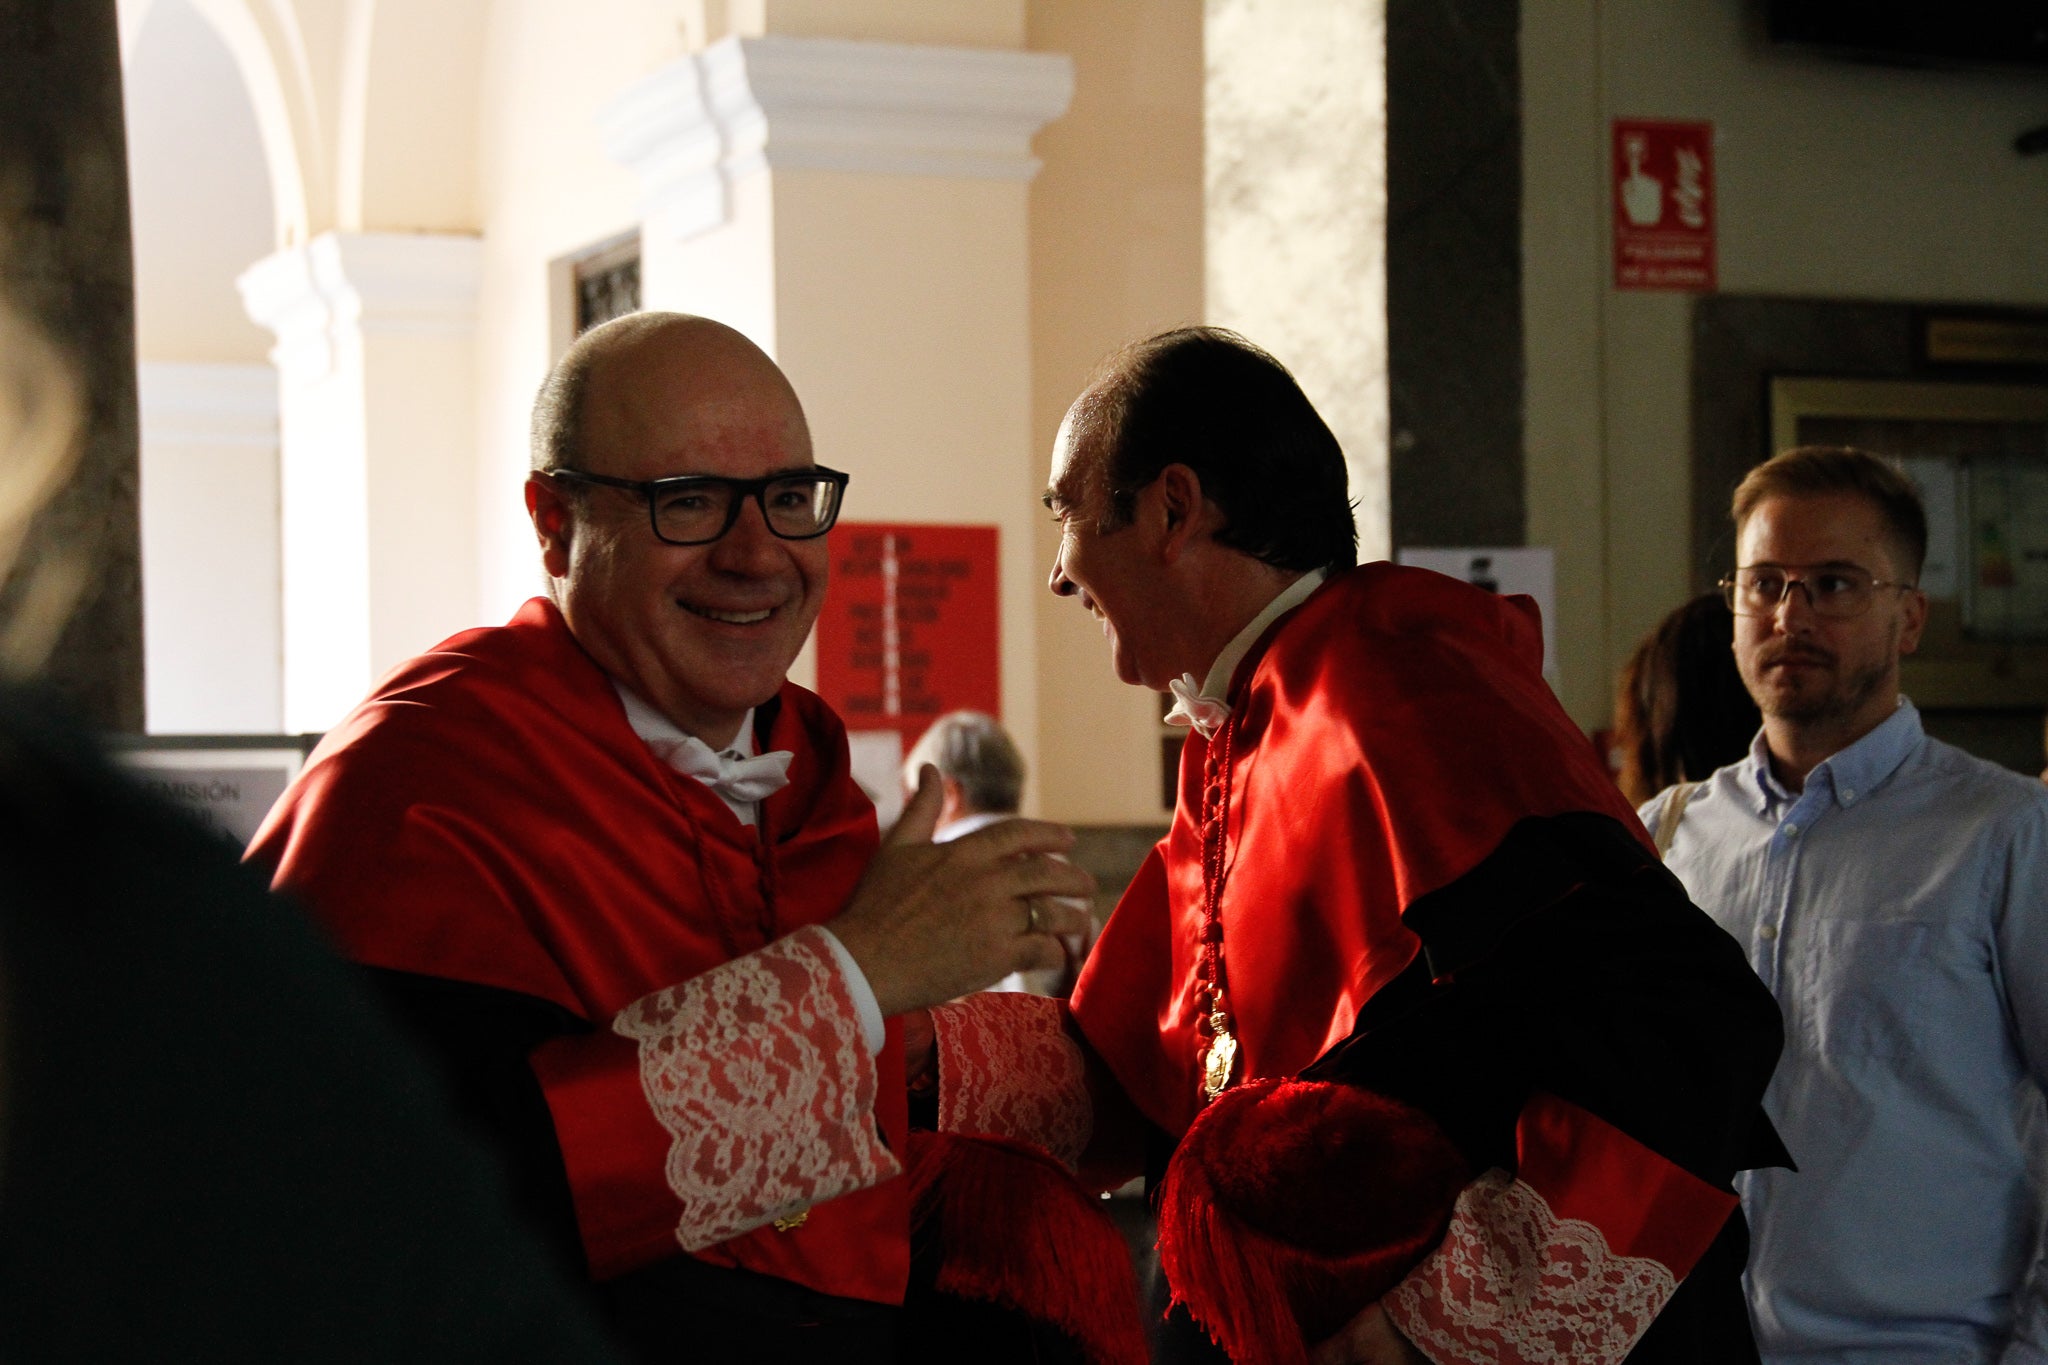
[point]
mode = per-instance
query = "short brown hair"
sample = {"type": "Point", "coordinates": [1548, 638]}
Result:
{"type": "Point", "coordinates": [1816, 471]}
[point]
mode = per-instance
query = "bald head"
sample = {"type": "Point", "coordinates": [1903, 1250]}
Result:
{"type": "Point", "coordinates": [705, 630]}
{"type": "Point", "coordinates": [661, 360]}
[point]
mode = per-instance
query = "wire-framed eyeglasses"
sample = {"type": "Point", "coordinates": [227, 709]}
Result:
{"type": "Point", "coordinates": [1836, 593]}
{"type": "Point", "coordinates": [696, 509]}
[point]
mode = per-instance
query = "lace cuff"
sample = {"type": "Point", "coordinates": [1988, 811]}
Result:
{"type": "Point", "coordinates": [1008, 1069]}
{"type": "Point", "coordinates": [1514, 1284]}
{"type": "Point", "coordinates": [759, 1071]}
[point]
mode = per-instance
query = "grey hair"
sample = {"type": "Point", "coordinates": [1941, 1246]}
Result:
{"type": "Point", "coordinates": [973, 750]}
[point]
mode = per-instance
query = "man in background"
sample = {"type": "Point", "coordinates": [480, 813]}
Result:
{"type": "Point", "coordinates": [981, 773]}
{"type": "Point", "coordinates": [1892, 891]}
{"type": "Point", "coordinates": [981, 782]}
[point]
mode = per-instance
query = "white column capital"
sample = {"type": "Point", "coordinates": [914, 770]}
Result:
{"type": "Point", "coordinates": [321, 296]}
{"type": "Point", "coordinates": [744, 105]}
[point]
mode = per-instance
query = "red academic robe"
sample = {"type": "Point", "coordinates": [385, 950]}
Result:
{"type": "Point", "coordinates": [1429, 883]}
{"type": "Point", "coordinates": [487, 829]}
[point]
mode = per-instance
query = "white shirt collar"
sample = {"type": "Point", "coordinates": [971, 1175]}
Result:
{"type": "Point", "coordinates": [967, 824]}
{"type": "Point", "coordinates": [651, 725]}
{"type": "Point", "coordinates": [1217, 683]}
{"type": "Point", "coordinates": [659, 733]}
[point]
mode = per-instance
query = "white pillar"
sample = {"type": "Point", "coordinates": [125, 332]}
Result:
{"type": "Point", "coordinates": [376, 376]}
{"type": "Point", "coordinates": [212, 649]}
{"type": "Point", "coordinates": [860, 210]}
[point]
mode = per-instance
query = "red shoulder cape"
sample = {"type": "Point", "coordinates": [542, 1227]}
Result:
{"type": "Point", "coordinates": [1390, 731]}
{"type": "Point", "coordinates": [488, 815]}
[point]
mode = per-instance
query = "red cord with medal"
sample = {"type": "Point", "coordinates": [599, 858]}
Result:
{"type": "Point", "coordinates": [1219, 1055]}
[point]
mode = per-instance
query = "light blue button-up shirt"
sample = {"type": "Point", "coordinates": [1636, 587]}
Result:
{"type": "Point", "coordinates": [1898, 910]}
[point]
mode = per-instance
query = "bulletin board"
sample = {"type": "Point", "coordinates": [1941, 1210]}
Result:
{"type": "Point", "coordinates": [1979, 455]}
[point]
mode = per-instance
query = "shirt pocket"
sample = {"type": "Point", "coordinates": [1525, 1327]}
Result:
{"type": "Point", "coordinates": [1891, 989]}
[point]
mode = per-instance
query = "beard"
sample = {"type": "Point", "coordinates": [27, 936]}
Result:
{"type": "Point", "coordinates": [1821, 700]}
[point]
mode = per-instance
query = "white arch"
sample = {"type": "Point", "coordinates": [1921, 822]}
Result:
{"type": "Point", "coordinates": [129, 17]}
{"type": "Point", "coordinates": [407, 116]}
{"type": "Point", "coordinates": [286, 115]}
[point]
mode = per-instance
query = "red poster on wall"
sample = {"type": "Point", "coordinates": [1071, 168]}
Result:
{"type": "Point", "coordinates": [909, 632]}
{"type": "Point", "coordinates": [1663, 205]}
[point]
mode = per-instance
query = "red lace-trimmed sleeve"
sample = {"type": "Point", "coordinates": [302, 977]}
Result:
{"type": "Point", "coordinates": [1569, 1261]}
{"type": "Point", "coordinates": [747, 1093]}
{"type": "Point", "coordinates": [1007, 1068]}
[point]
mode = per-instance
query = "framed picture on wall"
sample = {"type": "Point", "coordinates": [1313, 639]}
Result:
{"type": "Point", "coordinates": [1979, 455]}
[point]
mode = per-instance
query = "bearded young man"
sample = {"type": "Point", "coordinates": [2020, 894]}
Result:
{"type": "Point", "coordinates": [1395, 864]}
{"type": "Point", "coordinates": [613, 868]}
{"type": "Point", "coordinates": [1892, 891]}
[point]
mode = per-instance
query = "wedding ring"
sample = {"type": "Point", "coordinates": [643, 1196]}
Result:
{"type": "Point", "coordinates": [1033, 923]}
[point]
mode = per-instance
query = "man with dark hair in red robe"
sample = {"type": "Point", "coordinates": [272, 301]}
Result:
{"type": "Point", "coordinates": [613, 868]}
{"type": "Point", "coordinates": [1395, 863]}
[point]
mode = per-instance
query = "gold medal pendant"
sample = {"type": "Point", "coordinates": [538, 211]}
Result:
{"type": "Point", "coordinates": [1218, 1063]}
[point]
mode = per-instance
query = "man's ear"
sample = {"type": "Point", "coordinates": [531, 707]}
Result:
{"type": "Point", "coordinates": [953, 803]}
{"type": "Point", "coordinates": [1915, 620]}
{"type": "Point", "coordinates": [1190, 518]}
{"type": "Point", "coordinates": [552, 517]}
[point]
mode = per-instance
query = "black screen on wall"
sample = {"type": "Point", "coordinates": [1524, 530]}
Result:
{"type": "Point", "coordinates": [2008, 33]}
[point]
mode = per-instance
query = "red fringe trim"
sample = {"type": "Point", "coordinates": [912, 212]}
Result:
{"type": "Point", "coordinates": [1017, 1230]}
{"type": "Point", "coordinates": [1292, 1205]}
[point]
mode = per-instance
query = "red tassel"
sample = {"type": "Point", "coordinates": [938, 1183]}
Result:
{"type": "Point", "coordinates": [1017, 1230]}
{"type": "Point", "coordinates": [1291, 1205]}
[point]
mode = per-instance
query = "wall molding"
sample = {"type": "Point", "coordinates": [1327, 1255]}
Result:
{"type": "Point", "coordinates": [747, 105]}
{"type": "Point", "coordinates": [319, 298]}
{"type": "Point", "coordinates": [212, 405]}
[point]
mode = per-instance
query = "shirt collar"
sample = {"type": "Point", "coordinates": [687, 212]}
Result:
{"type": "Point", "coordinates": [1851, 773]}
{"type": "Point", "coordinates": [1217, 683]}
{"type": "Point", "coordinates": [967, 824]}
{"type": "Point", "coordinates": [652, 726]}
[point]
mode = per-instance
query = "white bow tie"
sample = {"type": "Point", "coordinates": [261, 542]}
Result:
{"type": "Point", "coordinates": [1191, 708]}
{"type": "Point", "coordinates": [732, 776]}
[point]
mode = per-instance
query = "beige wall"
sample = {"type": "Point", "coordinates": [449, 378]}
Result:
{"type": "Point", "coordinates": [1116, 254]}
{"type": "Point", "coordinates": [545, 188]}
{"type": "Point", "coordinates": [901, 317]}
{"type": "Point", "coordinates": [1834, 181]}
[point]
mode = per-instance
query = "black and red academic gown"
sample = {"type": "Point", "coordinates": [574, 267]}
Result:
{"type": "Point", "coordinates": [530, 883]}
{"type": "Point", "coordinates": [1430, 887]}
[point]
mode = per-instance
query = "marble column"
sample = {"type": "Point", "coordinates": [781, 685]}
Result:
{"type": "Point", "coordinates": [1295, 233]}
{"type": "Point", "coordinates": [65, 262]}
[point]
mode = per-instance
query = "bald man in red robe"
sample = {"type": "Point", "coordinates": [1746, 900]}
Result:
{"type": "Point", "coordinates": [1395, 864]}
{"type": "Point", "coordinates": [613, 868]}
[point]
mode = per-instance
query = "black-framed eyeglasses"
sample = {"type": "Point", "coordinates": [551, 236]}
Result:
{"type": "Point", "coordinates": [696, 509]}
{"type": "Point", "coordinates": [1837, 593]}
